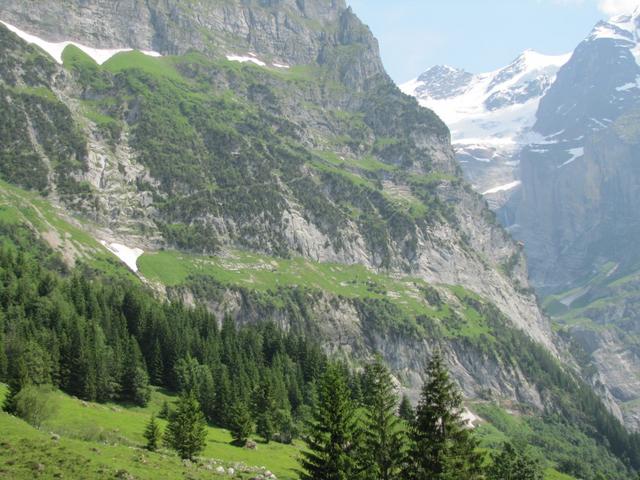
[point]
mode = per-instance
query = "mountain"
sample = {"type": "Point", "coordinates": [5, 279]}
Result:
{"type": "Point", "coordinates": [577, 212]}
{"type": "Point", "coordinates": [491, 115]}
{"type": "Point", "coordinates": [210, 154]}
{"type": "Point", "coordinates": [254, 158]}
{"type": "Point", "coordinates": [572, 190]}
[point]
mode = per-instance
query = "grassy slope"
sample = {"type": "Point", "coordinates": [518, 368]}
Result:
{"type": "Point", "coordinates": [99, 440]}
{"type": "Point", "coordinates": [264, 273]}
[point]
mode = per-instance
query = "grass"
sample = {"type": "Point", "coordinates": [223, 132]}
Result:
{"type": "Point", "coordinates": [367, 162]}
{"type": "Point", "coordinates": [241, 269]}
{"type": "Point", "coordinates": [97, 441]}
{"type": "Point", "coordinates": [156, 66]}
{"type": "Point", "coordinates": [105, 441]}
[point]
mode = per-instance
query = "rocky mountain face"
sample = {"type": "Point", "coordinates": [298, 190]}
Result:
{"type": "Point", "coordinates": [272, 128]}
{"type": "Point", "coordinates": [572, 192]}
{"type": "Point", "coordinates": [577, 211]}
{"type": "Point", "coordinates": [296, 31]}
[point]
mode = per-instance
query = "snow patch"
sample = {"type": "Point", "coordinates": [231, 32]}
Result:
{"type": "Point", "coordinates": [575, 154]}
{"type": "Point", "coordinates": [503, 188]}
{"type": "Point", "coordinates": [129, 256]}
{"type": "Point", "coordinates": [281, 65]}
{"type": "Point", "coordinates": [55, 49]}
{"type": "Point", "coordinates": [629, 86]}
{"type": "Point", "coordinates": [245, 59]}
{"type": "Point", "coordinates": [470, 418]}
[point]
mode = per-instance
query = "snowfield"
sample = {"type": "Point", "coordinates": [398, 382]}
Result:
{"type": "Point", "coordinates": [251, 58]}
{"type": "Point", "coordinates": [129, 256]}
{"type": "Point", "coordinates": [470, 118]}
{"type": "Point", "coordinates": [503, 188]}
{"type": "Point", "coordinates": [245, 59]}
{"type": "Point", "coordinates": [54, 50]}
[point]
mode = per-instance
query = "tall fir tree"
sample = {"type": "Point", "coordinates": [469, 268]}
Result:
{"type": "Point", "coordinates": [135, 380]}
{"type": "Point", "coordinates": [186, 432]}
{"type": "Point", "coordinates": [241, 424]}
{"type": "Point", "coordinates": [442, 446]}
{"type": "Point", "coordinates": [152, 434]}
{"type": "Point", "coordinates": [333, 433]}
{"type": "Point", "coordinates": [264, 409]}
{"type": "Point", "coordinates": [405, 410]}
{"type": "Point", "coordinates": [383, 442]}
{"type": "Point", "coordinates": [511, 464]}
{"type": "Point", "coordinates": [4, 362]}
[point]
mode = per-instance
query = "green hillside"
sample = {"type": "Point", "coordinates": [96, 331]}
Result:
{"type": "Point", "coordinates": [99, 441]}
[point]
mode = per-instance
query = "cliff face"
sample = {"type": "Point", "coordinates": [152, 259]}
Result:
{"type": "Point", "coordinates": [576, 218]}
{"type": "Point", "coordinates": [286, 31]}
{"type": "Point", "coordinates": [325, 159]}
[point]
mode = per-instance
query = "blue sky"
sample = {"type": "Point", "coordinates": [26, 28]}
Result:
{"type": "Point", "coordinates": [477, 35]}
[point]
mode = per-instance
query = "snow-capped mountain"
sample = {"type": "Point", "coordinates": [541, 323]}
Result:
{"type": "Point", "coordinates": [565, 202]}
{"type": "Point", "coordinates": [490, 115]}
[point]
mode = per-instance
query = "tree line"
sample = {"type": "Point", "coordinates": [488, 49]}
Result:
{"type": "Point", "coordinates": [369, 439]}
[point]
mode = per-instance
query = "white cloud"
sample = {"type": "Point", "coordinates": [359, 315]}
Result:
{"type": "Point", "coordinates": [618, 7]}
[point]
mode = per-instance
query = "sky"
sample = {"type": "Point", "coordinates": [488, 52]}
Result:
{"type": "Point", "coordinates": [477, 35]}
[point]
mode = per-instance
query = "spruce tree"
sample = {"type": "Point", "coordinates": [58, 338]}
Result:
{"type": "Point", "coordinates": [165, 412]}
{"type": "Point", "coordinates": [442, 446]}
{"type": "Point", "coordinates": [333, 433]}
{"type": "Point", "coordinates": [135, 380]}
{"type": "Point", "coordinates": [405, 411]}
{"type": "Point", "coordinates": [383, 438]}
{"type": "Point", "coordinates": [511, 464]}
{"type": "Point", "coordinates": [152, 434]}
{"type": "Point", "coordinates": [186, 432]}
{"type": "Point", "coordinates": [264, 408]}
{"type": "Point", "coordinates": [241, 424]}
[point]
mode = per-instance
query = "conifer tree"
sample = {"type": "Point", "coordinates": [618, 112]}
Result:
{"type": "Point", "coordinates": [241, 424]}
{"type": "Point", "coordinates": [186, 431]}
{"type": "Point", "coordinates": [135, 380]}
{"type": "Point", "coordinates": [3, 356]}
{"type": "Point", "coordinates": [165, 412]}
{"type": "Point", "coordinates": [405, 411]}
{"type": "Point", "coordinates": [442, 446]}
{"type": "Point", "coordinates": [264, 408]}
{"type": "Point", "coordinates": [511, 464]}
{"type": "Point", "coordinates": [333, 432]}
{"type": "Point", "coordinates": [152, 434]}
{"type": "Point", "coordinates": [383, 438]}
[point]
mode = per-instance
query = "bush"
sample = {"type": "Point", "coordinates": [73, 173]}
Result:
{"type": "Point", "coordinates": [36, 404]}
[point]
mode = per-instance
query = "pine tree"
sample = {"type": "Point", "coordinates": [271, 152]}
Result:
{"type": "Point", "coordinates": [4, 362]}
{"type": "Point", "coordinates": [333, 432]}
{"type": "Point", "coordinates": [383, 439]}
{"type": "Point", "coordinates": [442, 447]}
{"type": "Point", "coordinates": [510, 464]}
{"type": "Point", "coordinates": [241, 424]}
{"type": "Point", "coordinates": [156, 364]}
{"type": "Point", "coordinates": [224, 398]}
{"type": "Point", "coordinates": [186, 431]}
{"type": "Point", "coordinates": [164, 412]}
{"type": "Point", "coordinates": [405, 411]}
{"type": "Point", "coordinates": [152, 434]}
{"type": "Point", "coordinates": [135, 380]}
{"type": "Point", "coordinates": [264, 408]}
